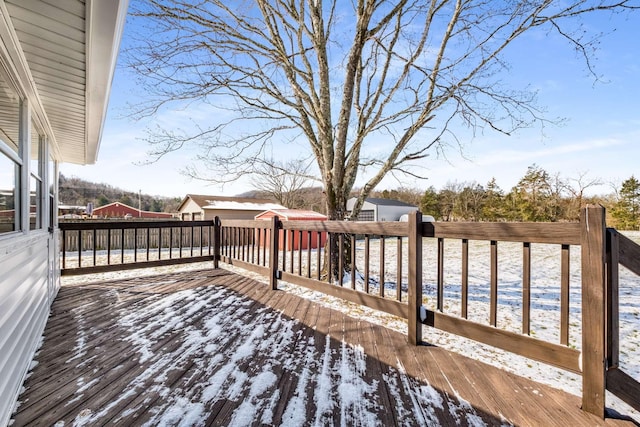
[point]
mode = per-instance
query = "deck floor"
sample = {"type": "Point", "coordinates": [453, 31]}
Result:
{"type": "Point", "coordinates": [211, 347]}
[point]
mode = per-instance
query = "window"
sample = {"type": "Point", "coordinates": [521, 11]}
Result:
{"type": "Point", "coordinates": [35, 181]}
{"type": "Point", "coordinates": [366, 216]}
{"type": "Point", "coordinates": [10, 161]}
{"type": "Point", "coordinates": [9, 202]}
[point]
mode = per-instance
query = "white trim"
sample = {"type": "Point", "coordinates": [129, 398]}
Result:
{"type": "Point", "coordinates": [10, 152]}
{"type": "Point", "coordinates": [24, 136]}
{"type": "Point", "coordinates": [104, 26]}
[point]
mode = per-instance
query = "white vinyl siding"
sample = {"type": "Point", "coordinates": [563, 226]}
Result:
{"type": "Point", "coordinates": [24, 308]}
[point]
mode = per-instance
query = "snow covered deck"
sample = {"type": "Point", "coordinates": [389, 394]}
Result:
{"type": "Point", "coordinates": [211, 347]}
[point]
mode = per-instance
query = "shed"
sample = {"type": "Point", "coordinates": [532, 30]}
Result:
{"type": "Point", "coordinates": [203, 207]}
{"type": "Point", "coordinates": [375, 209]}
{"type": "Point", "coordinates": [298, 241]}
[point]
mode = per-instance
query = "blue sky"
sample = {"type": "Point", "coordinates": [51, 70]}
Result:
{"type": "Point", "coordinates": [600, 135]}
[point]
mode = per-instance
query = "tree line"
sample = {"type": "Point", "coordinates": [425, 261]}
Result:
{"type": "Point", "coordinates": [78, 192]}
{"type": "Point", "coordinates": [539, 196]}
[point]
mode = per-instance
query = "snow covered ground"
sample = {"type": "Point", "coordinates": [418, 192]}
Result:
{"type": "Point", "coordinates": [545, 297]}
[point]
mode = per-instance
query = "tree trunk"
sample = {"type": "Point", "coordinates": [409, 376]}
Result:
{"type": "Point", "coordinates": [331, 262]}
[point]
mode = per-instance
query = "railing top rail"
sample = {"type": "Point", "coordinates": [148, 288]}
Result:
{"type": "Point", "coordinates": [245, 223]}
{"type": "Point", "coordinates": [351, 227]}
{"type": "Point", "coordinates": [629, 255]}
{"type": "Point", "coordinates": [348, 227]}
{"type": "Point", "coordinates": [118, 225]}
{"type": "Point", "coordinates": [554, 233]}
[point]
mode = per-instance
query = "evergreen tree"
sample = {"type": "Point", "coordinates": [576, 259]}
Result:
{"type": "Point", "coordinates": [102, 200]}
{"type": "Point", "coordinates": [532, 196]}
{"type": "Point", "coordinates": [429, 203]}
{"type": "Point", "coordinates": [493, 207]}
{"type": "Point", "coordinates": [126, 199]}
{"type": "Point", "coordinates": [626, 212]}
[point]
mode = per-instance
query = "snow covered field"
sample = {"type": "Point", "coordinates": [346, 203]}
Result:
{"type": "Point", "coordinates": [545, 296]}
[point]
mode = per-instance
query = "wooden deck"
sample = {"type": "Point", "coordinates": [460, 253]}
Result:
{"type": "Point", "coordinates": [215, 348]}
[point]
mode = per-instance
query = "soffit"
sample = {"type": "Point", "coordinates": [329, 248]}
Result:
{"type": "Point", "coordinates": [70, 47]}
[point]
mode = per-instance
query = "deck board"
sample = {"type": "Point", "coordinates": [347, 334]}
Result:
{"type": "Point", "coordinates": [212, 347]}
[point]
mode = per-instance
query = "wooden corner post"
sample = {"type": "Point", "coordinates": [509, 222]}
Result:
{"type": "Point", "coordinates": [273, 252]}
{"type": "Point", "coordinates": [593, 245]}
{"type": "Point", "coordinates": [217, 239]}
{"type": "Point", "coordinates": [415, 278]}
{"type": "Point", "coordinates": [613, 315]}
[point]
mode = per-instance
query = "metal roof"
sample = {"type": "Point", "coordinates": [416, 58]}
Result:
{"type": "Point", "coordinates": [206, 200]}
{"type": "Point", "coordinates": [230, 205]}
{"type": "Point", "coordinates": [387, 202]}
{"type": "Point", "coordinates": [292, 215]}
{"type": "Point", "coordinates": [64, 53]}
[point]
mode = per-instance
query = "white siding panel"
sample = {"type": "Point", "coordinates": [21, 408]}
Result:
{"type": "Point", "coordinates": [24, 263]}
{"type": "Point", "coordinates": [56, 79]}
{"type": "Point", "coordinates": [71, 12]}
{"type": "Point", "coordinates": [393, 213]}
{"type": "Point", "coordinates": [59, 68]}
{"type": "Point", "coordinates": [54, 266]}
{"type": "Point", "coordinates": [52, 36]}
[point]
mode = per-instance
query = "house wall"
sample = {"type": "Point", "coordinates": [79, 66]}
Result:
{"type": "Point", "coordinates": [116, 210]}
{"type": "Point", "coordinates": [373, 212]}
{"type": "Point", "coordinates": [28, 284]}
{"type": "Point", "coordinates": [190, 208]}
{"type": "Point", "coordinates": [29, 272]}
{"type": "Point", "coordinates": [120, 210]}
{"type": "Point", "coordinates": [210, 214]}
{"type": "Point", "coordinates": [393, 213]}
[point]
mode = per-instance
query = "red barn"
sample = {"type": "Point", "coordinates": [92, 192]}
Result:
{"type": "Point", "coordinates": [120, 210]}
{"type": "Point", "coordinates": [295, 215]}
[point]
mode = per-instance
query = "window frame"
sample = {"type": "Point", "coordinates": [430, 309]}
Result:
{"type": "Point", "coordinates": [17, 157]}
{"type": "Point", "coordinates": [37, 175]}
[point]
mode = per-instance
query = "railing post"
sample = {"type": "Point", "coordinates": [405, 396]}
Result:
{"type": "Point", "coordinates": [613, 323]}
{"type": "Point", "coordinates": [217, 229]}
{"type": "Point", "coordinates": [593, 245]}
{"type": "Point", "coordinates": [273, 252]}
{"type": "Point", "coordinates": [415, 278]}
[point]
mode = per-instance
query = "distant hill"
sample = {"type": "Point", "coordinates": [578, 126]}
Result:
{"type": "Point", "coordinates": [78, 192]}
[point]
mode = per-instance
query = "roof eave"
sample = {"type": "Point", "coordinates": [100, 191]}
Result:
{"type": "Point", "coordinates": [104, 26]}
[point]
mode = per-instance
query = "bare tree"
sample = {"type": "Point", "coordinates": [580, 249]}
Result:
{"type": "Point", "coordinates": [577, 186]}
{"type": "Point", "coordinates": [367, 85]}
{"type": "Point", "coordinates": [283, 180]}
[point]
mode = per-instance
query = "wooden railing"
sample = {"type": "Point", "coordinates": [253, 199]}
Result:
{"type": "Point", "coordinates": [96, 246]}
{"type": "Point", "coordinates": [402, 269]}
{"type": "Point", "coordinates": [285, 250]}
{"type": "Point", "coordinates": [297, 249]}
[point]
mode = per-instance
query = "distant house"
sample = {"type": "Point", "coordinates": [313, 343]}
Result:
{"type": "Point", "coordinates": [120, 210]}
{"type": "Point", "coordinates": [70, 211]}
{"type": "Point", "coordinates": [296, 242]}
{"type": "Point", "coordinates": [375, 209]}
{"type": "Point", "coordinates": [196, 207]}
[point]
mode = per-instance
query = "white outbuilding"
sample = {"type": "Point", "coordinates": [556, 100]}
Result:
{"type": "Point", "coordinates": [375, 209]}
